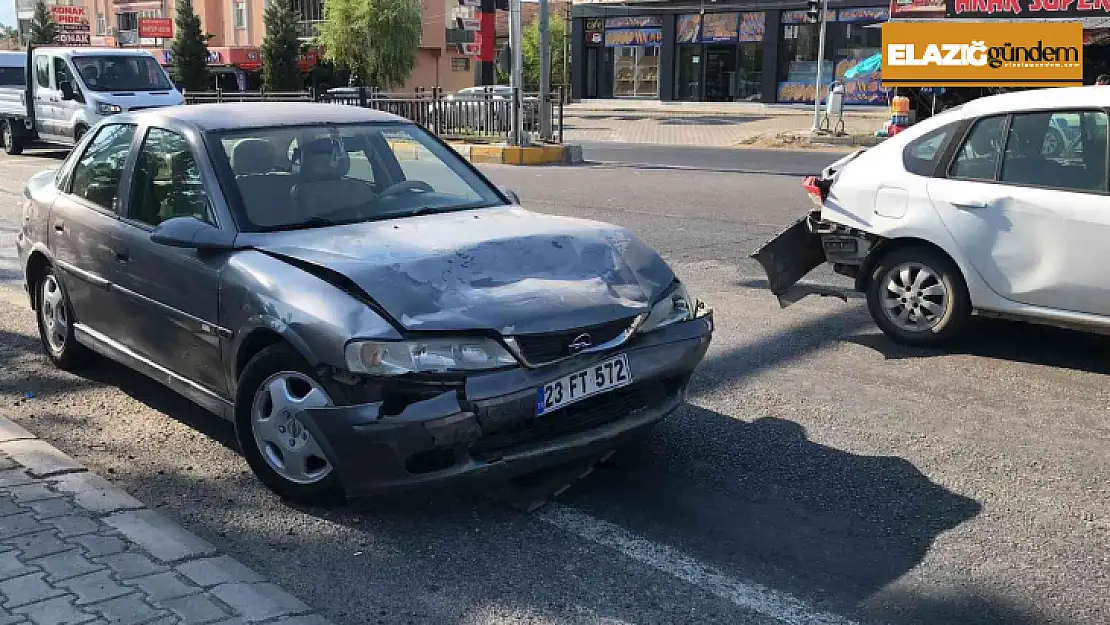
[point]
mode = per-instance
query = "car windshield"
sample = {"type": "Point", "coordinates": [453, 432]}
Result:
{"type": "Point", "coordinates": [121, 73]}
{"type": "Point", "coordinates": [322, 175]}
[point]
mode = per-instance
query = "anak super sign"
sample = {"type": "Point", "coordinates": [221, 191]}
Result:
{"type": "Point", "coordinates": [982, 54]}
{"type": "Point", "coordinates": [1027, 8]}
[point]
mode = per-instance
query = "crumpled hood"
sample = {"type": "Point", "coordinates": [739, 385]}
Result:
{"type": "Point", "coordinates": [503, 269]}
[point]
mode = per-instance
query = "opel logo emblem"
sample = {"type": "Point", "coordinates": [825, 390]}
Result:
{"type": "Point", "coordinates": [580, 342]}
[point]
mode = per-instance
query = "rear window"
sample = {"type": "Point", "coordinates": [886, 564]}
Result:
{"type": "Point", "coordinates": [921, 155]}
{"type": "Point", "coordinates": [13, 77]}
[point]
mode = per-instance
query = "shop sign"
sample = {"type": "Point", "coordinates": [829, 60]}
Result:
{"type": "Point", "coordinates": [155, 28]}
{"type": "Point", "coordinates": [863, 14]}
{"type": "Point", "coordinates": [469, 24]}
{"type": "Point", "coordinates": [634, 22]}
{"type": "Point", "coordinates": [801, 17]}
{"type": "Point", "coordinates": [1007, 9]}
{"type": "Point", "coordinates": [213, 58]}
{"type": "Point", "coordinates": [634, 37]}
{"type": "Point", "coordinates": [916, 9]}
{"type": "Point", "coordinates": [752, 26]}
{"type": "Point", "coordinates": [73, 25]}
{"type": "Point", "coordinates": [688, 28]}
{"type": "Point", "coordinates": [982, 54]}
{"type": "Point", "coordinates": [469, 49]}
{"type": "Point", "coordinates": [719, 27]}
{"type": "Point", "coordinates": [595, 37]}
{"type": "Point", "coordinates": [470, 3]}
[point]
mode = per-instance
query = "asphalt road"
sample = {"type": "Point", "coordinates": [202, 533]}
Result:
{"type": "Point", "coordinates": [786, 162]}
{"type": "Point", "coordinates": [819, 474]}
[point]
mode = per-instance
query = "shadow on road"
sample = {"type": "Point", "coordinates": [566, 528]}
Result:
{"type": "Point", "coordinates": [1013, 341]}
{"type": "Point", "coordinates": [761, 501]}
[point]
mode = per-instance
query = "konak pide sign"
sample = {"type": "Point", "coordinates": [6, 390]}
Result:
{"type": "Point", "coordinates": [1033, 9]}
{"type": "Point", "coordinates": [982, 54]}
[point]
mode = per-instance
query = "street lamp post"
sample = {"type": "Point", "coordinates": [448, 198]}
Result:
{"type": "Point", "coordinates": [820, 16]}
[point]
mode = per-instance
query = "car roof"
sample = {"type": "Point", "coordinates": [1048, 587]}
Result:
{"type": "Point", "coordinates": [1038, 99]}
{"type": "Point", "coordinates": [236, 115]}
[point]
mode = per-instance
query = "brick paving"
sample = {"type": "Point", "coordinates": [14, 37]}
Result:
{"type": "Point", "coordinates": [727, 126]}
{"type": "Point", "coordinates": [75, 550]}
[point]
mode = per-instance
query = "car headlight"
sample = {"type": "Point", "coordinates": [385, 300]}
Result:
{"type": "Point", "coordinates": [108, 109]}
{"type": "Point", "coordinates": [430, 355]}
{"type": "Point", "coordinates": [676, 306]}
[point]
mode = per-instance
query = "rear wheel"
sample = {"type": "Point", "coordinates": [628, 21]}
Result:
{"type": "Point", "coordinates": [283, 454]}
{"type": "Point", "coordinates": [13, 142]}
{"type": "Point", "coordinates": [918, 297]}
{"type": "Point", "coordinates": [79, 132]}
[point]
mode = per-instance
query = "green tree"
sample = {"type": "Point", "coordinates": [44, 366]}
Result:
{"type": "Point", "coordinates": [280, 48]}
{"type": "Point", "coordinates": [375, 39]}
{"type": "Point", "coordinates": [43, 29]}
{"type": "Point", "coordinates": [190, 49]}
{"type": "Point", "coordinates": [530, 50]}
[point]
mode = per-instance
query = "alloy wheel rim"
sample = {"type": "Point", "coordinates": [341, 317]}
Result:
{"type": "Point", "coordinates": [52, 309]}
{"type": "Point", "coordinates": [914, 298]}
{"type": "Point", "coordinates": [286, 445]}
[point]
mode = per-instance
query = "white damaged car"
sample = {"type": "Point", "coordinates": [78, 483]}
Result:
{"type": "Point", "coordinates": [977, 210]}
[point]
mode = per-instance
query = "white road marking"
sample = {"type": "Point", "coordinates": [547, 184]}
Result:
{"type": "Point", "coordinates": [747, 595]}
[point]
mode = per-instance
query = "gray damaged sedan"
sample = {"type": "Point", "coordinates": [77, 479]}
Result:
{"type": "Point", "coordinates": [365, 306]}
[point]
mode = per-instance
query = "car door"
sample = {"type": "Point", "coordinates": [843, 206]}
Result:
{"type": "Point", "coordinates": [65, 111]}
{"type": "Point", "coordinates": [44, 97]}
{"type": "Point", "coordinates": [84, 227]}
{"type": "Point", "coordinates": [171, 295]}
{"type": "Point", "coordinates": [1033, 223]}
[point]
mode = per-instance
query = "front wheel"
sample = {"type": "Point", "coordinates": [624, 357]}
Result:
{"type": "Point", "coordinates": [284, 455]}
{"type": "Point", "coordinates": [55, 321]}
{"type": "Point", "coordinates": [918, 297]}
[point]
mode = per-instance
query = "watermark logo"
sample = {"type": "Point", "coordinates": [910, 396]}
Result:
{"type": "Point", "coordinates": [982, 54]}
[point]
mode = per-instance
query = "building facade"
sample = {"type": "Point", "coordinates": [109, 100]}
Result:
{"type": "Point", "coordinates": [679, 50]}
{"type": "Point", "coordinates": [237, 31]}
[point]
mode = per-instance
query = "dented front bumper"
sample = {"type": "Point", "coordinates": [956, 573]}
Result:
{"type": "Point", "coordinates": [490, 429]}
{"type": "Point", "coordinates": [807, 244]}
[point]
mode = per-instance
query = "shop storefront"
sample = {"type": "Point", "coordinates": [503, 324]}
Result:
{"type": "Point", "coordinates": [676, 50]}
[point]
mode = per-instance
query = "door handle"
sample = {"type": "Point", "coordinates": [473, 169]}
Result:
{"type": "Point", "coordinates": [122, 256]}
{"type": "Point", "coordinates": [970, 204]}
{"type": "Point", "coordinates": [59, 225]}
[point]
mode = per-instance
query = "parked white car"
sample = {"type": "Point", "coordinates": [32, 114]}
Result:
{"type": "Point", "coordinates": [969, 212]}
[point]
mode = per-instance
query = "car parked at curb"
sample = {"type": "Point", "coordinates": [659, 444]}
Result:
{"type": "Point", "coordinates": [369, 319]}
{"type": "Point", "coordinates": [978, 210]}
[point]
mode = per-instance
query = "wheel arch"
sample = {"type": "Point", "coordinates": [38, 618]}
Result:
{"type": "Point", "coordinates": [254, 340]}
{"type": "Point", "coordinates": [886, 246]}
{"type": "Point", "coordinates": [38, 261]}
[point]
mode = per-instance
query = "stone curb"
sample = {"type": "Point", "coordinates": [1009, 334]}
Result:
{"type": "Point", "coordinates": [225, 578]}
{"type": "Point", "coordinates": [500, 154]}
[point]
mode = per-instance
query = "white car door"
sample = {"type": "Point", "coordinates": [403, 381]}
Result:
{"type": "Point", "coordinates": [45, 99]}
{"type": "Point", "coordinates": [1035, 227]}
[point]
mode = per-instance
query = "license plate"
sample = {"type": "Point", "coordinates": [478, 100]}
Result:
{"type": "Point", "coordinates": [604, 376]}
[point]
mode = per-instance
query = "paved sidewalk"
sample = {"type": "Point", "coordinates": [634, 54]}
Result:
{"type": "Point", "coordinates": [730, 125]}
{"type": "Point", "coordinates": [75, 550]}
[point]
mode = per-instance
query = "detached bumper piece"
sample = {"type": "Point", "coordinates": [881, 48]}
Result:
{"type": "Point", "coordinates": [448, 439]}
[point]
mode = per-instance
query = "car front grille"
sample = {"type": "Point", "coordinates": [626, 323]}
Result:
{"type": "Point", "coordinates": [585, 415]}
{"type": "Point", "coordinates": [539, 349]}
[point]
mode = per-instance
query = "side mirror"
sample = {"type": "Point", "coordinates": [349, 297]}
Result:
{"type": "Point", "coordinates": [509, 193]}
{"type": "Point", "coordinates": [192, 233]}
{"type": "Point", "coordinates": [66, 88]}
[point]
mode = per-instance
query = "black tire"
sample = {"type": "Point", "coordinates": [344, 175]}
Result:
{"type": "Point", "coordinates": [70, 354]}
{"type": "Point", "coordinates": [13, 142]}
{"type": "Point", "coordinates": [78, 132]}
{"type": "Point", "coordinates": [279, 358]}
{"type": "Point", "coordinates": [954, 316]}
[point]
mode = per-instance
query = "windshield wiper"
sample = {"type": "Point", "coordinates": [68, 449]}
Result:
{"type": "Point", "coordinates": [314, 222]}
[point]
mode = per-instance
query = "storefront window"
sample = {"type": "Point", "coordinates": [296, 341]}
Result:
{"type": "Point", "coordinates": [859, 37]}
{"type": "Point", "coordinates": [798, 48]}
{"type": "Point", "coordinates": [635, 42]}
{"type": "Point", "coordinates": [852, 36]}
{"type": "Point", "coordinates": [719, 56]}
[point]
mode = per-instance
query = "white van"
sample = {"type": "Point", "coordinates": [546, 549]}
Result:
{"type": "Point", "coordinates": [57, 94]}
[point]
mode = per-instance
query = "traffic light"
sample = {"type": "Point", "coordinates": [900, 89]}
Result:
{"type": "Point", "coordinates": [813, 10]}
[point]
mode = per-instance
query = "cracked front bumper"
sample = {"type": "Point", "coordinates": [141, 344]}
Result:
{"type": "Point", "coordinates": [491, 431]}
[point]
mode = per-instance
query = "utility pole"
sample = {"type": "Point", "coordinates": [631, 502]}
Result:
{"type": "Point", "coordinates": [545, 73]}
{"type": "Point", "coordinates": [517, 74]}
{"type": "Point", "coordinates": [820, 59]}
